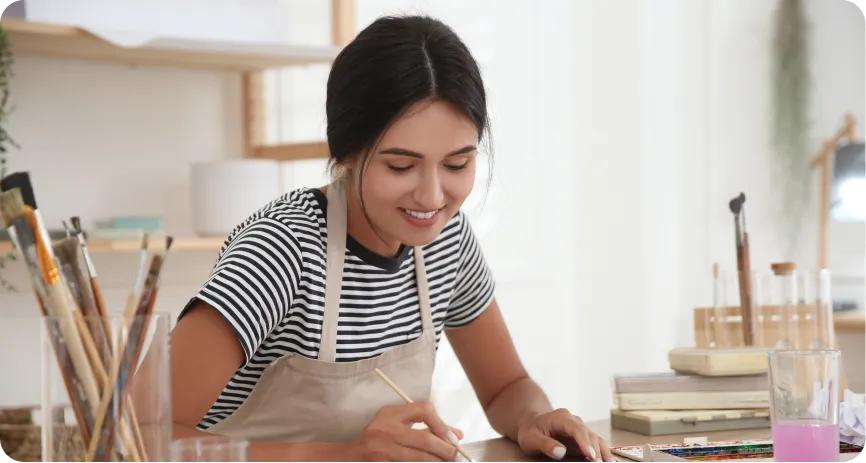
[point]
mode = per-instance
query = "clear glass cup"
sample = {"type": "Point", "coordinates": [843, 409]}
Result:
{"type": "Point", "coordinates": [106, 389]}
{"type": "Point", "coordinates": [210, 448]}
{"type": "Point", "coordinates": [804, 404]}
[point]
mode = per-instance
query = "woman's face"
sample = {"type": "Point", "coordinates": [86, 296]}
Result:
{"type": "Point", "coordinates": [419, 174]}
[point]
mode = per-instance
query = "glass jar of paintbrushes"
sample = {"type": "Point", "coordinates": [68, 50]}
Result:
{"type": "Point", "coordinates": [112, 372]}
{"type": "Point", "coordinates": [108, 379]}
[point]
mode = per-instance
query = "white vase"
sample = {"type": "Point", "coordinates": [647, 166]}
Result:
{"type": "Point", "coordinates": [226, 192]}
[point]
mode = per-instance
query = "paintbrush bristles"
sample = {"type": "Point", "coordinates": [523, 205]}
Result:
{"type": "Point", "coordinates": [76, 224]}
{"type": "Point", "coordinates": [736, 204]}
{"type": "Point", "coordinates": [11, 206]}
{"type": "Point", "coordinates": [20, 180]}
{"type": "Point", "coordinates": [168, 240]}
{"type": "Point", "coordinates": [144, 242]}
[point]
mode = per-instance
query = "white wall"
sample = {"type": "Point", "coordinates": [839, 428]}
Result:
{"type": "Point", "coordinates": [621, 128]}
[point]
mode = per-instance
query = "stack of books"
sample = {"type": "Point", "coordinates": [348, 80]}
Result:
{"type": "Point", "coordinates": [709, 390]}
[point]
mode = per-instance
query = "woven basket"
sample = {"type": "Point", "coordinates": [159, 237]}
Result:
{"type": "Point", "coordinates": [22, 440]}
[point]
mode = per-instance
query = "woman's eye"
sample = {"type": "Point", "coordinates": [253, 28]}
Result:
{"type": "Point", "coordinates": [456, 166]}
{"type": "Point", "coordinates": [396, 168]}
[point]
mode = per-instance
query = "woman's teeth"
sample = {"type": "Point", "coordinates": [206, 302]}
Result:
{"type": "Point", "coordinates": [420, 215]}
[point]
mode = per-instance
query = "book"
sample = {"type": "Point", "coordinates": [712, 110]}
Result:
{"type": "Point", "coordinates": [678, 382]}
{"type": "Point", "coordinates": [719, 362]}
{"type": "Point", "coordinates": [692, 400]}
{"type": "Point", "coordinates": [656, 422]}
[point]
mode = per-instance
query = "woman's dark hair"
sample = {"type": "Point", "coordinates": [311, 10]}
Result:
{"type": "Point", "coordinates": [393, 63]}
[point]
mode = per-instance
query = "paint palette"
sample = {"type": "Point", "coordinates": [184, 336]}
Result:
{"type": "Point", "coordinates": [714, 451]}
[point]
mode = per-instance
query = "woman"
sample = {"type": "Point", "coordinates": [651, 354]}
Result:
{"type": "Point", "coordinates": [320, 287]}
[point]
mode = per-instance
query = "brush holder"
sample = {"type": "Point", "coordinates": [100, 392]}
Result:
{"type": "Point", "coordinates": [117, 398]}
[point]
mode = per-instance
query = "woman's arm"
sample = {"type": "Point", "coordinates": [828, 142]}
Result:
{"type": "Point", "coordinates": [515, 405]}
{"type": "Point", "coordinates": [205, 354]}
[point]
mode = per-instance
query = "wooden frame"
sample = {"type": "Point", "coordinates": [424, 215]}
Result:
{"type": "Point", "coordinates": [255, 117]}
{"type": "Point", "coordinates": [824, 162]}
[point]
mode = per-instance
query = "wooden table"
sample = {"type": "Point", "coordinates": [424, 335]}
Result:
{"type": "Point", "coordinates": [502, 449]}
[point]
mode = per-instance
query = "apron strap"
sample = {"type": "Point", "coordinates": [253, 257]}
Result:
{"type": "Point", "coordinates": [423, 290]}
{"type": "Point", "coordinates": [336, 254]}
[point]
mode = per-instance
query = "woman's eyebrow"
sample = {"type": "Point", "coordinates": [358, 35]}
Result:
{"type": "Point", "coordinates": [405, 152]}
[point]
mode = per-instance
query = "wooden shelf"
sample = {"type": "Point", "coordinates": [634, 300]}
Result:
{"type": "Point", "coordinates": [292, 151]}
{"type": "Point", "coordinates": [75, 42]}
{"type": "Point", "coordinates": [107, 246]}
{"type": "Point", "coordinates": [850, 321]}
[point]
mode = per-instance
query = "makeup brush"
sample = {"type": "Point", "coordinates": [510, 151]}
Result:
{"type": "Point", "coordinates": [11, 204]}
{"type": "Point", "coordinates": [743, 266]}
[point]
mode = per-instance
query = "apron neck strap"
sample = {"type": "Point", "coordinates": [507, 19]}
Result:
{"type": "Point", "coordinates": [423, 290]}
{"type": "Point", "coordinates": [336, 256]}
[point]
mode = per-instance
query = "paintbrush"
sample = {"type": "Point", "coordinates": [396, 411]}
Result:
{"type": "Point", "coordinates": [409, 400]}
{"type": "Point", "coordinates": [23, 238]}
{"type": "Point", "coordinates": [138, 452]}
{"type": "Point", "coordinates": [91, 328]}
{"type": "Point", "coordinates": [91, 270]}
{"type": "Point", "coordinates": [138, 283]}
{"type": "Point", "coordinates": [127, 358]}
{"type": "Point", "coordinates": [743, 266]}
{"type": "Point", "coordinates": [57, 300]}
{"type": "Point", "coordinates": [68, 252]}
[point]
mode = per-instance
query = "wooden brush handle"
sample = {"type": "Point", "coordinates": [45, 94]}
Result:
{"type": "Point", "coordinates": [57, 300]}
{"type": "Point", "coordinates": [745, 291]}
{"type": "Point", "coordinates": [80, 405]}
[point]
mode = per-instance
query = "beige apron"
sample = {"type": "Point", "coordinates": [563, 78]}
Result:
{"type": "Point", "coordinates": [303, 399]}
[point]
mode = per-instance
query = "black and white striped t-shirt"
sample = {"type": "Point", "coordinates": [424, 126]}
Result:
{"type": "Point", "coordinates": [269, 284]}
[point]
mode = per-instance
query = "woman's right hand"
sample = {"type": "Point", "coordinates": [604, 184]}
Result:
{"type": "Point", "coordinates": [389, 435]}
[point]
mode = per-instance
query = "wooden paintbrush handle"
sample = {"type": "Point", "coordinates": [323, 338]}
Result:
{"type": "Point", "coordinates": [745, 291]}
{"type": "Point", "coordinates": [80, 406]}
{"type": "Point", "coordinates": [57, 300]}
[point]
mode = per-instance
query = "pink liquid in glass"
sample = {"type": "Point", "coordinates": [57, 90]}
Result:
{"type": "Point", "coordinates": [805, 440]}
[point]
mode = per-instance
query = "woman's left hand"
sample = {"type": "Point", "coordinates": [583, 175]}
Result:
{"type": "Point", "coordinates": [538, 434]}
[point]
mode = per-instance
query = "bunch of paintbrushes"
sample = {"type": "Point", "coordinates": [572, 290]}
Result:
{"type": "Point", "coordinates": [96, 365]}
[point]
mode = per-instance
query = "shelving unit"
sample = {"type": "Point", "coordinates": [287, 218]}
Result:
{"type": "Point", "coordinates": [249, 59]}
{"type": "Point", "coordinates": [179, 244]}
{"type": "Point", "coordinates": [61, 41]}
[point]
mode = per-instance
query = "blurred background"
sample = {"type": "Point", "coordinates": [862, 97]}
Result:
{"type": "Point", "coordinates": [620, 131]}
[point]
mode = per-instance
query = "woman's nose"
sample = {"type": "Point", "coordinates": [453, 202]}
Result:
{"type": "Point", "coordinates": [429, 193]}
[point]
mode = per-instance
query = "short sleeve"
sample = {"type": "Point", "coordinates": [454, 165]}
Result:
{"type": "Point", "coordinates": [474, 285]}
{"type": "Point", "coordinates": [255, 280]}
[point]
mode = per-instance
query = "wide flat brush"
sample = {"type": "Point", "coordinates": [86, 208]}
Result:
{"type": "Point", "coordinates": [57, 302]}
{"type": "Point", "coordinates": [24, 239]}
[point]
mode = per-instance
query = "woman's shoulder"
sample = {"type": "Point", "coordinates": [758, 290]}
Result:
{"type": "Point", "coordinates": [298, 213]}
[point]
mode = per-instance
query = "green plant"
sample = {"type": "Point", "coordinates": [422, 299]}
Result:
{"type": "Point", "coordinates": [6, 141]}
{"type": "Point", "coordinates": [791, 88]}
